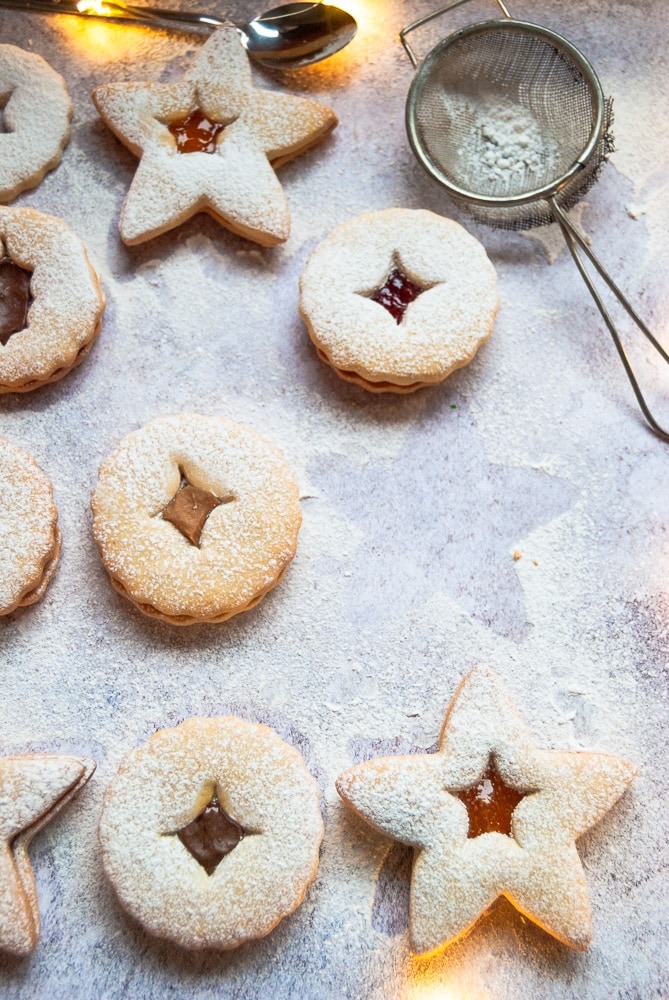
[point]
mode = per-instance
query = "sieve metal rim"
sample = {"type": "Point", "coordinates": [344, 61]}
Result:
{"type": "Point", "coordinates": [544, 34]}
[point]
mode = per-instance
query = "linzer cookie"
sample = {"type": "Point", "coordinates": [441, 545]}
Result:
{"type": "Point", "coordinates": [398, 299]}
{"type": "Point", "coordinates": [196, 518]}
{"type": "Point", "coordinates": [210, 143]}
{"type": "Point", "coordinates": [51, 303]}
{"type": "Point", "coordinates": [210, 832]}
{"type": "Point", "coordinates": [36, 112]}
{"type": "Point", "coordinates": [489, 814]}
{"type": "Point", "coordinates": [33, 788]}
{"type": "Point", "coordinates": [29, 533]}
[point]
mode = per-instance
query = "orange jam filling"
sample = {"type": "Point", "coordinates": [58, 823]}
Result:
{"type": "Point", "coordinates": [15, 299]}
{"type": "Point", "coordinates": [196, 133]}
{"type": "Point", "coordinates": [490, 803]}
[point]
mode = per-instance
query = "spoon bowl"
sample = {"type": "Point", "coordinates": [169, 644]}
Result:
{"type": "Point", "coordinates": [297, 34]}
{"type": "Point", "coordinates": [286, 37]}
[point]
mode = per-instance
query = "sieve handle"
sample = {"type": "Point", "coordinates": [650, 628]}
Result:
{"type": "Point", "coordinates": [430, 17]}
{"type": "Point", "coordinates": [575, 242]}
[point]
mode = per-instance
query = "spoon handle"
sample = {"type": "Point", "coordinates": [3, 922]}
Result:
{"type": "Point", "coordinates": [117, 11]}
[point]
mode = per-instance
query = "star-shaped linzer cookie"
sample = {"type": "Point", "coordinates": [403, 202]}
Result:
{"type": "Point", "coordinates": [210, 143]}
{"type": "Point", "coordinates": [33, 788]}
{"type": "Point", "coordinates": [452, 806]}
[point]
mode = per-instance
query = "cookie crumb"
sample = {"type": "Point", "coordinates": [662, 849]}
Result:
{"type": "Point", "coordinates": [517, 554]}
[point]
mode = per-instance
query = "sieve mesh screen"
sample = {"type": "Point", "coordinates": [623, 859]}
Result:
{"type": "Point", "coordinates": [501, 113]}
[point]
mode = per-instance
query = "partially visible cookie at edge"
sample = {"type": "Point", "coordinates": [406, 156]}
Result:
{"type": "Point", "coordinates": [29, 534]}
{"type": "Point", "coordinates": [196, 518]}
{"type": "Point", "coordinates": [51, 302]}
{"type": "Point", "coordinates": [36, 118]}
{"type": "Point", "coordinates": [398, 299]}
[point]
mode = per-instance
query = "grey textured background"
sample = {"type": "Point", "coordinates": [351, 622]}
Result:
{"type": "Point", "coordinates": [413, 507]}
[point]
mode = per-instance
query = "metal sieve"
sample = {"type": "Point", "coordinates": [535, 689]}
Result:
{"type": "Point", "coordinates": [511, 119]}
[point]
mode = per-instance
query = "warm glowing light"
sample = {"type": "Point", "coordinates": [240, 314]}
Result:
{"type": "Point", "coordinates": [445, 986]}
{"type": "Point", "coordinates": [93, 7]}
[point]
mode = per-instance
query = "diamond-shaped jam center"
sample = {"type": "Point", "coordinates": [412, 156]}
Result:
{"type": "Point", "coordinates": [210, 836]}
{"type": "Point", "coordinates": [15, 299]}
{"type": "Point", "coordinates": [490, 803]}
{"type": "Point", "coordinates": [196, 133]}
{"type": "Point", "coordinates": [189, 509]}
{"type": "Point", "coordinates": [397, 293]}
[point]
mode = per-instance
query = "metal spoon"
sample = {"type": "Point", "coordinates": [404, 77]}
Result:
{"type": "Point", "coordinates": [286, 37]}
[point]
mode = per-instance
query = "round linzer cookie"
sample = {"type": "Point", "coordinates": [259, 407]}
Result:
{"type": "Point", "coordinates": [29, 534]}
{"type": "Point", "coordinates": [196, 518]}
{"type": "Point", "coordinates": [398, 299]}
{"type": "Point", "coordinates": [51, 303]}
{"type": "Point", "coordinates": [210, 832]}
{"type": "Point", "coordinates": [36, 112]}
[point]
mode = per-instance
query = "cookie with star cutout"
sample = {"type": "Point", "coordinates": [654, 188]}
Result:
{"type": "Point", "coordinates": [33, 788]}
{"type": "Point", "coordinates": [51, 302]}
{"type": "Point", "coordinates": [29, 532]}
{"type": "Point", "coordinates": [210, 143]}
{"type": "Point", "coordinates": [210, 832]}
{"type": "Point", "coordinates": [489, 814]}
{"type": "Point", "coordinates": [35, 110]}
{"type": "Point", "coordinates": [196, 518]}
{"type": "Point", "coordinates": [398, 299]}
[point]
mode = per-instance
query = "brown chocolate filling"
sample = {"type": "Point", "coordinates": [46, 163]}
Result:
{"type": "Point", "coordinates": [15, 299]}
{"type": "Point", "coordinates": [189, 509]}
{"type": "Point", "coordinates": [490, 803]}
{"type": "Point", "coordinates": [211, 835]}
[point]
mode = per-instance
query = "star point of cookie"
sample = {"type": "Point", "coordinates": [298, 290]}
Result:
{"type": "Point", "coordinates": [418, 800]}
{"type": "Point", "coordinates": [233, 177]}
{"type": "Point", "coordinates": [33, 788]}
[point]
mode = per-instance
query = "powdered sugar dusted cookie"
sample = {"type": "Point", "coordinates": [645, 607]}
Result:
{"type": "Point", "coordinates": [51, 303]}
{"type": "Point", "coordinates": [209, 143]}
{"type": "Point", "coordinates": [36, 113]}
{"type": "Point", "coordinates": [29, 533]}
{"type": "Point", "coordinates": [489, 814]}
{"type": "Point", "coordinates": [33, 788]}
{"type": "Point", "coordinates": [210, 832]}
{"type": "Point", "coordinates": [196, 518]}
{"type": "Point", "coordinates": [398, 299]}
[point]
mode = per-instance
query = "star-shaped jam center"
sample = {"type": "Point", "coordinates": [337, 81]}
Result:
{"type": "Point", "coordinates": [211, 835]}
{"type": "Point", "coordinates": [490, 803]}
{"type": "Point", "coordinates": [15, 299]}
{"type": "Point", "coordinates": [396, 293]}
{"type": "Point", "coordinates": [189, 509]}
{"type": "Point", "coordinates": [196, 133]}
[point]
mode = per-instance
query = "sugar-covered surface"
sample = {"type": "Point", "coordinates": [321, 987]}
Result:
{"type": "Point", "coordinates": [413, 508]}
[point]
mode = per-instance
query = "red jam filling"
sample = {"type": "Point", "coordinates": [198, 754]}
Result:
{"type": "Point", "coordinates": [490, 803]}
{"type": "Point", "coordinates": [210, 836]}
{"type": "Point", "coordinates": [196, 133]}
{"type": "Point", "coordinates": [396, 294]}
{"type": "Point", "coordinates": [15, 299]}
